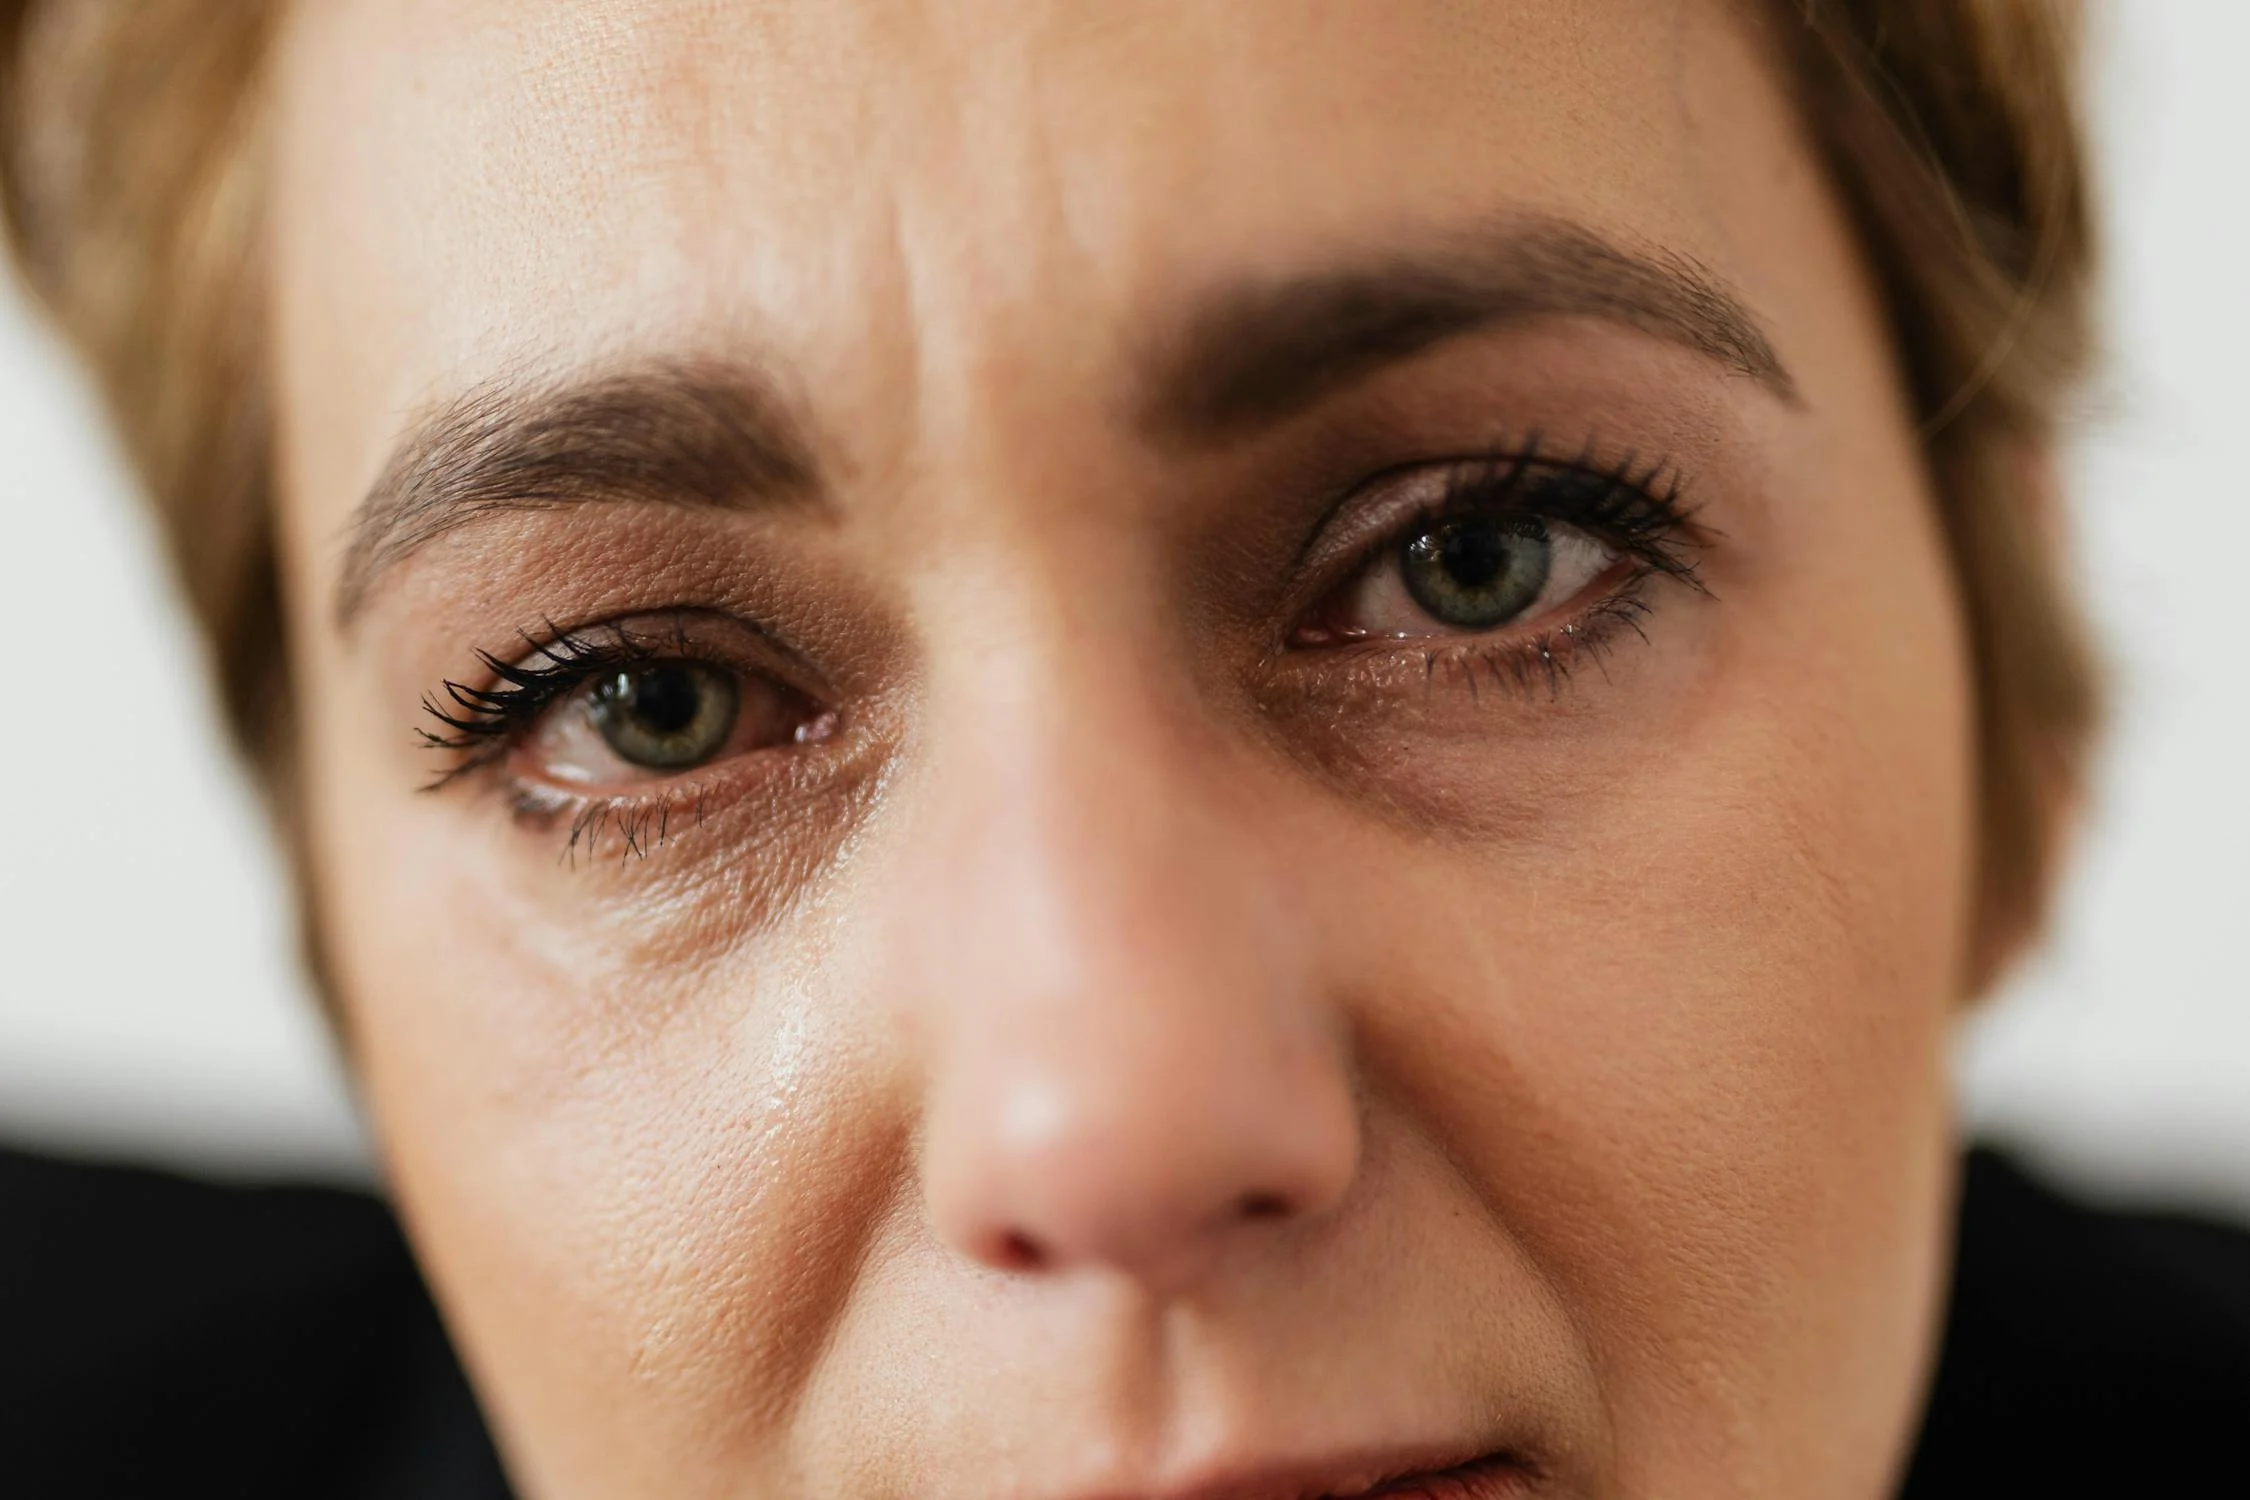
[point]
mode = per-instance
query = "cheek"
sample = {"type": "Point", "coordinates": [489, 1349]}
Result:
{"type": "Point", "coordinates": [1690, 1043]}
{"type": "Point", "coordinates": [642, 1192]}
{"type": "Point", "coordinates": [637, 1151]}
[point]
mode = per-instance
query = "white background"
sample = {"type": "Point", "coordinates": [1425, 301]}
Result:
{"type": "Point", "coordinates": [149, 1007]}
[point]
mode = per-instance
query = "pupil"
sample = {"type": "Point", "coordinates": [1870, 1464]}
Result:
{"type": "Point", "coordinates": [1473, 556]}
{"type": "Point", "coordinates": [666, 716]}
{"type": "Point", "coordinates": [665, 699]}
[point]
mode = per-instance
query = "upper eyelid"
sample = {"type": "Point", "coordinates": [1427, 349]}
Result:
{"type": "Point", "coordinates": [613, 638]}
{"type": "Point", "coordinates": [1336, 537]}
{"type": "Point", "coordinates": [477, 714]}
{"type": "Point", "coordinates": [1353, 525]}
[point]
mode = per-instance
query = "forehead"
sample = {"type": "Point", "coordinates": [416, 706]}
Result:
{"type": "Point", "coordinates": [876, 186]}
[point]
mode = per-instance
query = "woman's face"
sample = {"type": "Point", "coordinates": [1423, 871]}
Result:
{"type": "Point", "coordinates": [1104, 751]}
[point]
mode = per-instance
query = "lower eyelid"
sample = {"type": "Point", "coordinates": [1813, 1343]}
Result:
{"type": "Point", "coordinates": [1655, 532]}
{"type": "Point", "coordinates": [1627, 571]}
{"type": "Point", "coordinates": [818, 725]}
{"type": "Point", "coordinates": [637, 819]}
{"type": "Point", "coordinates": [1513, 663]}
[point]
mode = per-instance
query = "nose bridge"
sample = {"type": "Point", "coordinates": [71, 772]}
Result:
{"type": "Point", "coordinates": [1133, 1060]}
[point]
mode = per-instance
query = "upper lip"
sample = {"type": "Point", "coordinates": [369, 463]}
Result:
{"type": "Point", "coordinates": [1355, 1477]}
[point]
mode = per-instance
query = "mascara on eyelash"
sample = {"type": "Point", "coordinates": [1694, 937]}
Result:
{"type": "Point", "coordinates": [1636, 507]}
{"type": "Point", "coordinates": [1634, 504]}
{"type": "Point", "coordinates": [479, 723]}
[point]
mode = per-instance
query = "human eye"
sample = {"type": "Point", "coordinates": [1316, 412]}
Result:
{"type": "Point", "coordinates": [621, 716]}
{"type": "Point", "coordinates": [1517, 564]}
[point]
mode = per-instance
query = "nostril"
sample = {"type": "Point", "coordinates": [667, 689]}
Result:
{"type": "Point", "coordinates": [1017, 1251]}
{"type": "Point", "coordinates": [1264, 1206]}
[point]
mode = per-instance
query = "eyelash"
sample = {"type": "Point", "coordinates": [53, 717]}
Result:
{"type": "Point", "coordinates": [1637, 506]}
{"type": "Point", "coordinates": [1634, 506]}
{"type": "Point", "coordinates": [480, 725]}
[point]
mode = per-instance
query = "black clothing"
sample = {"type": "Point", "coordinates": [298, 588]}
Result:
{"type": "Point", "coordinates": [161, 1338]}
{"type": "Point", "coordinates": [2087, 1353]}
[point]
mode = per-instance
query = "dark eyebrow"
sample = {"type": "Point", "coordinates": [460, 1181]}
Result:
{"type": "Point", "coordinates": [1255, 353]}
{"type": "Point", "coordinates": [717, 433]}
{"type": "Point", "coordinates": [709, 434]}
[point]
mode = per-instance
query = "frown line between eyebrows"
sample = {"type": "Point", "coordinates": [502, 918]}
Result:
{"type": "Point", "coordinates": [717, 434]}
{"type": "Point", "coordinates": [1257, 352]}
{"type": "Point", "coordinates": [709, 434]}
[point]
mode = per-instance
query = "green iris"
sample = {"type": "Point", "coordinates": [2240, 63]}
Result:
{"type": "Point", "coordinates": [1477, 572]}
{"type": "Point", "coordinates": [668, 716]}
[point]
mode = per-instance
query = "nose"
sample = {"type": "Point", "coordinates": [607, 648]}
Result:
{"type": "Point", "coordinates": [1134, 1066]}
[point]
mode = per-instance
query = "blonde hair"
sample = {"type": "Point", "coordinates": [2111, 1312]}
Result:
{"type": "Point", "coordinates": [130, 171]}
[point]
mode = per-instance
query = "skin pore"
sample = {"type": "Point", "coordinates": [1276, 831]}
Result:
{"type": "Point", "coordinates": [1087, 751]}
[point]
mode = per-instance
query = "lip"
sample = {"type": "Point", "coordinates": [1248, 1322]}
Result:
{"type": "Point", "coordinates": [1492, 1475]}
{"type": "Point", "coordinates": [1495, 1476]}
